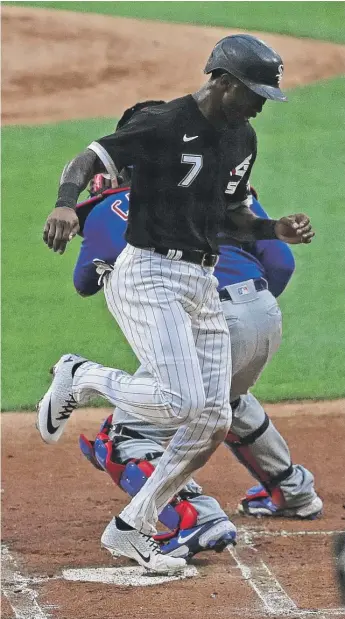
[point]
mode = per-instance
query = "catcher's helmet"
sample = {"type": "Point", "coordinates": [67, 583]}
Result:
{"type": "Point", "coordinates": [250, 60]}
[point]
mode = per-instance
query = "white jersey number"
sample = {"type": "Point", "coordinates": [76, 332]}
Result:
{"type": "Point", "coordinates": [196, 161]}
{"type": "Point", "coordinates": [237, 174]}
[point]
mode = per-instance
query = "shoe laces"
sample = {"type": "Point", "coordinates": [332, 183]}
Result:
{"type": "Point", "coordinates": [154, 546]}
{"type": "Point", "coordinates": [68, 408]}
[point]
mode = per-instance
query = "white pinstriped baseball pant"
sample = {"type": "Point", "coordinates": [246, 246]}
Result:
{"type": "Point", "coordinates": [171, 315]}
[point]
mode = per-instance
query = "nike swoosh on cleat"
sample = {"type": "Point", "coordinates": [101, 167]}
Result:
{"type": "Point", "coordinates": [146, 559]}
{"type": "Point", "coordinates": [188, 139]}
{"type": "Point", "coordinates": [182, 540]}
{"type": "Point", "coordinates": [51, 429]}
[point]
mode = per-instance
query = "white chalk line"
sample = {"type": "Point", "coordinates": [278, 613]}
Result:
{"type": "Point", "coordinates": [15, 587]}
{"type": "Point", "coordinates": [273, 597]}
{"type": "Point", "coordinates": [265, 533]}
{"type": "Point", "coordinates": [275, 601]}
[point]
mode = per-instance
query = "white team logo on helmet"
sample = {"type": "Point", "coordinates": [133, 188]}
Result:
{"type": "Point", "coordinates": [279, 75]}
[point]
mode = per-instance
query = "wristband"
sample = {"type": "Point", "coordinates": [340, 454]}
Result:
{"type": "Point", "coordinates": [264, 229]}
{"type": "Point", "coordinates": [68, 195]}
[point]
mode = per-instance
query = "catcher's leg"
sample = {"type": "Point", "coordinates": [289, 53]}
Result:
{"type": "Point", "coordinates": [255, 330]}
{"type": "Point", "coordinates": [285, 489]}
{"type": "Point", "coordinates": [195, 522]}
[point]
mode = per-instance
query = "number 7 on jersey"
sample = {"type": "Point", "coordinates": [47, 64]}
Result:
{"type": "Point", "coordinates": [196, 161]}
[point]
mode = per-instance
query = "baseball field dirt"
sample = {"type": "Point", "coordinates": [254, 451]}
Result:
{"type": "Point", "coordinates": [55, 505]}
{"type": "Point", "coordinates": [52, 59]}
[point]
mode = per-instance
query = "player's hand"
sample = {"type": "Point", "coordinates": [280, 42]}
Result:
{"type": "Point", "coordinates": [294, 229]}
{"type": "Point", "coordinates": [61, 226]}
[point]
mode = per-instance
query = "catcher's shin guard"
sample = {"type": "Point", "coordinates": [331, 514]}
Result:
{"type": "Point", "coordinates": [131, 476]}
{"type": "Point", "coordinates": [178, 514]}
{"type": "Point", "coordinates": [88, 447]}
{"type": "Point", "coordinates": [241, 448]}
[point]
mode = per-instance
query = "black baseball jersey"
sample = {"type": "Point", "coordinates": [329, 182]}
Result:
{"type": "Point", "coordinates": [186, 173]}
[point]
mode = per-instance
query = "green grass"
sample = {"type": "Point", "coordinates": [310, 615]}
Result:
{"type": "Point", "coordinates": [319, 20]}
{"type": "Point", "coordinates": [42, 316]}
{"type": "Point", "coordinates": [298, 169]}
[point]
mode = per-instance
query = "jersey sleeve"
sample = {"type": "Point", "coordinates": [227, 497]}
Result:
{"type": "Point", "coordinates": [97, 243]}
{"type": "Point", "coordinates": [242, 195]}
{"type": "Point", "coordinates": [126, 146]}
{"type": "Point", "coordinates": [275, 256]}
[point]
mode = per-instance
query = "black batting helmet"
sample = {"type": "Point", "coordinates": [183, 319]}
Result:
{"type": "Point", "coordinates": [251, 61]}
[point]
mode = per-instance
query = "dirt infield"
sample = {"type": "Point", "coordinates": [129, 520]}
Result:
{"type": "Point", "coordinates": [56, 505]}
{"type": "Point", "coordinates": [59, 65]}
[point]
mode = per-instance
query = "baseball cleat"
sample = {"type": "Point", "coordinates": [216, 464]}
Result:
{"type": "Point", "coordinates": [214, 535]}
{"type": "Point", "coordinates": [56, 406]}
{"type": "Point", "coordinates": [258, 502]}
{"type": "Point", "coordinates": [142, 548]}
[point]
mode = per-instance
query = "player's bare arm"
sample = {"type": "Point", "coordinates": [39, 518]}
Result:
{"type": "Point", "coordinates": [292, 229]}
{"type": "Point", "coordinates": [62, 224]}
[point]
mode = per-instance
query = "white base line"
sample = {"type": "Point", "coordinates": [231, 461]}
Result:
{"type": "Point", "coordinates": [275, 600]}
{"type": "Point", "coordinates": [273, 597]}
{"type": "Point", "coordinates": [15, 588]}
{"type": "Point", "coordinates": [264, 533]}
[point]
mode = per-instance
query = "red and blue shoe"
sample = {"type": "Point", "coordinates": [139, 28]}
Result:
{"type": "Point", "coordinates": [213, 535]}
{"type": "Point", "coordinates": [258, 502]}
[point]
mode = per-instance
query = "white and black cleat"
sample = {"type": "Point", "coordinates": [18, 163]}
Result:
{"type": "Point", "coordinates": [57, 405]}
{"type": "Point", "coordinates": [142, 548]}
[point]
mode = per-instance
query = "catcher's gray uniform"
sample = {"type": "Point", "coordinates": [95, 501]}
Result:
{"type": "Point", "coordinates": [255, 328]}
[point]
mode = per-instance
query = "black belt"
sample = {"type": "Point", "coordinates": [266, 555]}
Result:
{"type": "Point", "coordinates": [124, 434]}
{"type": "Point", "coordinates": [122, 430]}
{"type": "Point", "coordinates": [195, 256]}
{"type": "Point", "coordinates": [260, 284]}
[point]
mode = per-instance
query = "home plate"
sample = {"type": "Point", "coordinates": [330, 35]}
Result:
{"type": "Point", "coordinates": [125, 576]}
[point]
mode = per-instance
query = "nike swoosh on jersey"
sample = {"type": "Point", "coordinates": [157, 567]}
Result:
{"type": "Point", "coordinates": [188, 139]}
{"type": "Point", "coordinates": [146, 559]}
{"type": "Point", "coordinates": [182, 540]}
{"type": "Point", "coordinates": [51, 429]}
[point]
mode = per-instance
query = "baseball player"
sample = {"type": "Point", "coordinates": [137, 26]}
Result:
{"type": "Point", "coordinates": [128, 449]}
{"type": "Point", "coordinates": [191, 160]}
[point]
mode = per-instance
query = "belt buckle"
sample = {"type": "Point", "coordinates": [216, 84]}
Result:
{"type": "Point", "coordinates": [203, 260]}
{"type": "Point", "coordinates": [212, 258]}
